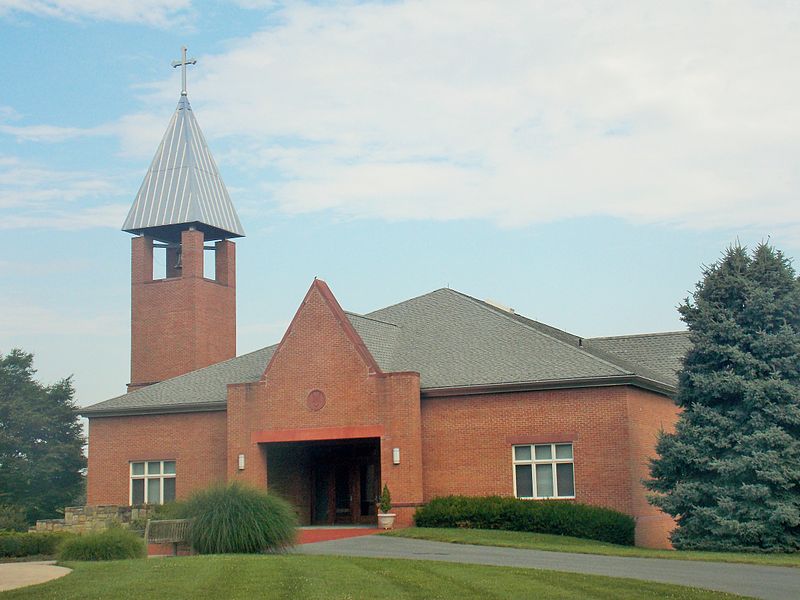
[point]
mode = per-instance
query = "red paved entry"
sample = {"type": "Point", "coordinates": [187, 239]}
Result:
{"type": "Point", "coordinates": [304, 536]}
{"type": "Point", "coordinates": [324, 534]}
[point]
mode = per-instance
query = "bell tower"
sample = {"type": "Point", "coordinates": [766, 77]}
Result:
{"type": "Point", "coordinates": [184, 320]}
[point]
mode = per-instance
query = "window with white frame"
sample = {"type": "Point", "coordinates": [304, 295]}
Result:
{"type": "Point", "coordinates": [543, 471]}
{"type": "Point", "coordinates": [152, 482]}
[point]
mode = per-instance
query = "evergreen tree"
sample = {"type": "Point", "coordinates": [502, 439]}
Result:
{"type": "Point", "coordinates": [41, 440]}
{"type": "Point", "coordinates": [730, 473]}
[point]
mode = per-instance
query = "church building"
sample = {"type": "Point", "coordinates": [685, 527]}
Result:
{"type": "Point", "coordinates": [435, 395]}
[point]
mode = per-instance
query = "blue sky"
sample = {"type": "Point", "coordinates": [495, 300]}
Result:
{"type": "Point", "coordinates": [579, 162]}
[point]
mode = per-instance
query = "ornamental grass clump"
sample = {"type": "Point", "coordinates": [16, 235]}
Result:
{"type": "Point", "coordinates": [112, 544]}
{"type": "Point", "coordinates": [237, 519]}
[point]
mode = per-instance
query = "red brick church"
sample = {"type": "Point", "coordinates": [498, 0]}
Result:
{"type": "Point", "coordinates": [435, 395]}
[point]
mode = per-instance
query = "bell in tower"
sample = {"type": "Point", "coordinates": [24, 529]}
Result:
{"type": "Point", "coordinates": [184, 321]}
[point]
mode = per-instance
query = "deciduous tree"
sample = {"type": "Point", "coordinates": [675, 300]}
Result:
{"type": "Point", "coordinates": [41, 440]}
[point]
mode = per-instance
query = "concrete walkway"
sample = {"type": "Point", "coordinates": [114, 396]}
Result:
{"type": "Point", "coordinates": [772, 583]}
{"type": "Point", "coordinates": [19, 574]}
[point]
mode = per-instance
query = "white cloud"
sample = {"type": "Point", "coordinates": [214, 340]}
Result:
{"type": "Point", "coordinates": [109, 215]}
{"type": "Point", "coordinates": [681, 112]}
{"type": "Point", "coordinates": [32, 196]}
{"type": "Point", "coordinates": [47, 133]}
{"type": "Point", "coordinates": [158, 13]}
{"type": "Point", "coordinates": [517, 112]}
{"type": "Point", "coordinates": [21, 318]}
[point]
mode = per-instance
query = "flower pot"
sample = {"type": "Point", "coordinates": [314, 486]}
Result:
{"type": "Point", "coordinates": [386, 520]}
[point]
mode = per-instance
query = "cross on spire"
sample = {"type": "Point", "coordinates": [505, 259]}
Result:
{"type": "Point", "coordinates": [182, 64]}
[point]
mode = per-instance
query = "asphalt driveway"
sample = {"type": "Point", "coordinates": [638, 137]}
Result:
{"type": "Point", "coordinates": [773, 583]}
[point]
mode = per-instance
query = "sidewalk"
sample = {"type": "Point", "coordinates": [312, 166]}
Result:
{"type": "Point", "coordinates": [19, 574]}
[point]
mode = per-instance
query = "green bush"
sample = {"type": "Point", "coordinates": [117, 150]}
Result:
{"type": "Point", "coordinates": [234, 518]}
{"type": "Point", "coordinates": [112, 544]}
{"type": "Point", "coordinates": [170, 510]}
{"type": "Point", "coordinates": [13, 518]}
{"type": "Point", "coordinates": [540, 516]}
{"type": "Point", "coordinates": [160, 512]}
{"type": "Point", "coordinates": [15, 545]}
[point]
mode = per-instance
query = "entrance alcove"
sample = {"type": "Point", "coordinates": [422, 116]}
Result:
{"type": "Point", "coordinates": [329, 482]}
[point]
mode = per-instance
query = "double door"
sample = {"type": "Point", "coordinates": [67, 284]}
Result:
{"type": "Point", "coordinates": [344, 493]}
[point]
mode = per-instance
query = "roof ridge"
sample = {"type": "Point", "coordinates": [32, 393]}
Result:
{"type": "Point", "coordinates": [582, 349]}
{"type": "Point", "coordinates": [403, 302]}
{"type": "Point", "coordinates": [638, 335]}
{"type": "Point", "coordinates": [354, 314]}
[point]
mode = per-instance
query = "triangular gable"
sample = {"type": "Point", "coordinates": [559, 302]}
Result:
{"type": "Point", "coordinates": [320, 287]}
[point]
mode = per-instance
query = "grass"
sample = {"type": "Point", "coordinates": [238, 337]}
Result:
{"type": "Point", "coordinates": [558, 543]}
{"type": "Point", "coordinates": [333, 578]}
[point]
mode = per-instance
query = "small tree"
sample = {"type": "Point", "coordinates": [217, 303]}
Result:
{"type": "Point", "coordinates": [730, 473]}
{"type": "Point", "coordinates": [386, 499]}
{"type": "Point", "coordinates": [41, 440]}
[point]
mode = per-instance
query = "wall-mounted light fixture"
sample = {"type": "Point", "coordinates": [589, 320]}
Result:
{"type": "Point", "coordinates": [396, 456]}
{"type": "Point", "coordinates": [241, 462]}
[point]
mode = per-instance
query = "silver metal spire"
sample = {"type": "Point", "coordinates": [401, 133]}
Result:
{"type": "Point", "coordinates": [182, 64]}
{"type": "Point", "coordinates": [182, 187]}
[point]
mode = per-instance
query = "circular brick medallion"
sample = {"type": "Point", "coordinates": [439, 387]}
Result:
{"type": "Point", "coordinates": [315, 400]}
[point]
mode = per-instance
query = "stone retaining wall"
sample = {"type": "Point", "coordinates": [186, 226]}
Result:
{"type": "Point", "coordinates": [78, 519]}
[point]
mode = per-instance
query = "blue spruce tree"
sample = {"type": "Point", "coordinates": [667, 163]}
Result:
{"type": "Point", "coordinates": [730, 473]}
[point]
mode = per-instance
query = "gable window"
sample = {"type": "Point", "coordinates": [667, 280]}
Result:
{"type": "Point", "coordinates": [152, 482]}
{"type": "Point", "coordinates": [543, 471]}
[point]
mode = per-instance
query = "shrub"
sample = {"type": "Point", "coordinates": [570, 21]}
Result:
{"type": "Point", "coordinates": [540, 516]}
{"type": "Point", "coordinates": [112, 544]}
{"type": "Point", "coordinates": [169, 510]}
{"type": "Point", "coordinates": [234, 518]}
{"type": "Point", "coordinates": [13, 518]}
{"type": "Point", "coordinates": [15, 545]}
{"type": "Point", "coordinates": [160, 512]}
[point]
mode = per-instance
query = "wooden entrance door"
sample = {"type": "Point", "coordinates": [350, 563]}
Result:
{"type": "Point", "coordinates": [344, 484]}
{"type": "Point", "coordinates": [343, 494]}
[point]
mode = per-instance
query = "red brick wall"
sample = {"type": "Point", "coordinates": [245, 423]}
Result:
{"type": "Point", "coordinates": [196, 441]}
{"type": "Point", "coordinates": [466, 447]}
{"type": "Point", "coordinates": [648, 413]}
{"type": "Point", "coordinates": [182, 323]}
{"type": "Point", "coordinates": [290, 476]}
{"type": "Point", "coordinates": [467, 443]}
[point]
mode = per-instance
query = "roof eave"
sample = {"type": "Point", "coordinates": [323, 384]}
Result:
{"type": "Point", "coordinates": [554, 384]}
{"type": "Point", "coordinates": [161, 409]}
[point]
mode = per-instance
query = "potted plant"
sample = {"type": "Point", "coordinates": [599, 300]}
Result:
{"type": "Point", "coordinates": [385, 518]}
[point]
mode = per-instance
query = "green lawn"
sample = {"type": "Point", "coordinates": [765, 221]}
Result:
{"type": "Point", "coordinates": [558, 543]}
{"type": "Point", "coordinates": [330, 578]}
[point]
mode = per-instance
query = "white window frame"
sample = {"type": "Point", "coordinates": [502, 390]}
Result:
{"type": "Point", "coordinates": [548, 461]}
{"type": "Point", "coordinates": [146, 477]}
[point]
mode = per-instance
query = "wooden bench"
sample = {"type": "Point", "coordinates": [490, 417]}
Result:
{"type": "Point", "coordinates": [171, 531]}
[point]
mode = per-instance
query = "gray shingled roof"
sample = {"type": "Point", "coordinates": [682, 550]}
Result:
{"type": "Point", "coordinates": [203, 389]}
{"type": "Point", "coordinates": [453, 341]}
{"type": "Point", "coordinates": [661, 352]}
{"type": "Point", "coordinates": [183, 186]}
